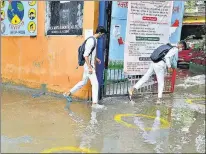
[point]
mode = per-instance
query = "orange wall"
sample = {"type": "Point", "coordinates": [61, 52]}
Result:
{"type": "Point", "coordinates": [50, 60]}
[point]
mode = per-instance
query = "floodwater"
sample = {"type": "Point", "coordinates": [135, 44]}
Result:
{"type": "Point", "coordinates": [43, 124]}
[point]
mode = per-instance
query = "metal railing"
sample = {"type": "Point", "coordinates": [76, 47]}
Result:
{"type": "Point", "coordinates": [118, 84]}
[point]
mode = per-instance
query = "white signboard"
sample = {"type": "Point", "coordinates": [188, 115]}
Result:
{"type": "Point", "coordinates": [148, 26]}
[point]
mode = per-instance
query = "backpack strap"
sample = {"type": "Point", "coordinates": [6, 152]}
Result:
{"type": "Point", "coordinates": [94, 46]}
{"type": "Point", "coordinates": [163, 59]}
{"type": "Point", "coordinates": [84, 43]}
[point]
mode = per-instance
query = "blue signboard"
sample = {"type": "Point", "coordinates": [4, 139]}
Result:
{"type": "Point", "coordinates": [18, 18]}
{"type": "Point", "coordinates": [117, 37]}
{"type": "Point", "coordinates": [119, 9]}
{"type": "Point", "coordinates": [117, 33]}
{"type": "Point", "coordinates": [176, 21]}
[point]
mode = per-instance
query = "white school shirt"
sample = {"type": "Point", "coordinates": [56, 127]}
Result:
{"type": "Point", "coordinates": [88, 47]}
{"type": "Point", "coordinates": [169, 56]}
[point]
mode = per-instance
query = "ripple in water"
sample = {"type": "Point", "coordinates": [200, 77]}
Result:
{"type": "Point", "coordinates": [193, 81]}
{"type": "Point", "coordinates": [18, 140]}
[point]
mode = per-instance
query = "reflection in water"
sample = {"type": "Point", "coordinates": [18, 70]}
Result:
{"type": "Point", "coordinates": [73, 116]}
{"type": "Point", "coordinates": [153, 135]}
{"type": "Point", "coordinates": [90, 132]}
{"type": "Point", "coordinates": [156, 136]}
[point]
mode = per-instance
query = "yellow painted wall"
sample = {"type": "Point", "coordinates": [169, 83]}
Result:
{"type": "Point", "coordinates": [50, 60]}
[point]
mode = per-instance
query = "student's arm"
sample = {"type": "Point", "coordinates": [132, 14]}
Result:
{"type": "Point", "coordinates": [167, 60]}
{"type": "Point", "coordinates": [174, 61]}
{"type": "Point", "coordinates": [88, 47]}
{"type": "Point", "coordinates": [88, 62]}
{"type": "Point", "coordinates": [171, 53]}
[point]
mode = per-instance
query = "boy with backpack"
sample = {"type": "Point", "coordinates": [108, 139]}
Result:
{"type": "Point", "coordinates": [165, 56]}
{"type": "Point", "coordinates": [87, 58]}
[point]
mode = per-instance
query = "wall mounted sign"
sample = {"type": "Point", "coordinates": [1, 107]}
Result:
{"type": "Point", "coordinates": [18, 18]}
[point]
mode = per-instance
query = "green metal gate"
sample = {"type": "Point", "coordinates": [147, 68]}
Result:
{"type": "Point", "coordinates": [118, 84]}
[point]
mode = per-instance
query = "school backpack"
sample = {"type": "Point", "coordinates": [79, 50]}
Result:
{"type": "Point", "coordinates": [160, 52]}
{"type": "Point", "coordinates": [81, 50]}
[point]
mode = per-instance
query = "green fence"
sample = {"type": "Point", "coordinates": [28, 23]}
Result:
{"type": "Point", "coordinates": [116, 83]}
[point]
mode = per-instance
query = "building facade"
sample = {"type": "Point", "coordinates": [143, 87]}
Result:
{"type": "Point", "coordinates": [50, 56]}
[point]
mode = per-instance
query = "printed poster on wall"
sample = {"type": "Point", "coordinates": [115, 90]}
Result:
{"type": "Point", "coordinates": [18, 18]}
{"type": "Point", "coordinates": [117, 38]}
{"type": "Point", "coordinates": [117, 34]}
{"type": "Point", "coordinates": [148, 26]}
{"type": "Point", "coordinates": [176, 22]}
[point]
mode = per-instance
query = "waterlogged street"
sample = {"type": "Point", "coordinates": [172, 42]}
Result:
{"type": "Point", "coordinates": [43, 125]}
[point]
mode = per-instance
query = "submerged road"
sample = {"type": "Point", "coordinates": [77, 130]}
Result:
{"type": "Point", "coordinates": [35, 125]}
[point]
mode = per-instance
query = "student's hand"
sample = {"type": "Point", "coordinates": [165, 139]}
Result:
{"type": "Point", "coordinates": [170, 70]}
{"type": "Point", "coordinates": [98, 61]}
{"type": "Point", "coordinates": [90, 70]}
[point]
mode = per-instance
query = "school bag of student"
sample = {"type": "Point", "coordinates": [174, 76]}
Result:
{"type": "Point", "coordinates": [81, 50]}
{"type": "Point", "coordinates": [160, 52]}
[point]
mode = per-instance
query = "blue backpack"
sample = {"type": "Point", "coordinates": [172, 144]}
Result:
{"type": "Point", "coordinates": [81, 50]}
{"type": "Point", "coordinates": [160, 53]}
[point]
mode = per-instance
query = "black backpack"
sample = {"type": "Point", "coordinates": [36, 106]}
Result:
{"type": "Point", "coordinates": [160, 52]}
{"type": "Point", "coordinates": [81, 50]}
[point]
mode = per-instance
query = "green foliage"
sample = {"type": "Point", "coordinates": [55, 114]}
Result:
{"type": "Point", "coordinates": [116, 64]}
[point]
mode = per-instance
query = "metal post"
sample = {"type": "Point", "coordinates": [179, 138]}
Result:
{"type": "Point", "coordinates": [101, 46]}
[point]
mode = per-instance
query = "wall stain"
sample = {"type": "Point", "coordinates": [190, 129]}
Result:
{"type": "Point", "coordinates": [38, 64]}
{"type": "Point", "coordinates": [68, 79]}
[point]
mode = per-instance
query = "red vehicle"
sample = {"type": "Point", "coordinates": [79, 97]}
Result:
{"type": "Point", "coordinates": [185, 56]}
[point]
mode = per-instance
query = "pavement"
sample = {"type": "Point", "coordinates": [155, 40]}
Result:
{"type": "Point", "coordinates": [43, 125]}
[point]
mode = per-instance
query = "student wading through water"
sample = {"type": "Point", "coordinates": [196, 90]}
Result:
{"type": "Point", "coordinates": [158, 66]}
{"type": "Point", "coordinates": [87, 58]}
